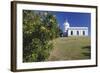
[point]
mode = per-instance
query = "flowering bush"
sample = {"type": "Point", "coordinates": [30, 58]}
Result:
{"type": "Point", "coordinates": [39, 29]}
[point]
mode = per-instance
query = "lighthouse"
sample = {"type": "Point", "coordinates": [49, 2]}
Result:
{"type": "Point", "coordinates": [66, 26]}
{"type": "Point", "coordinates": [74, 31]}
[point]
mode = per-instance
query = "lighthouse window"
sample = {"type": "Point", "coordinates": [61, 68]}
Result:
{"type": "Point", "coordinates": [71, 32]}
{"type": "Point", "coordinates": [83, 32]}
{"type": "Point", "coordinates": [77, 32]}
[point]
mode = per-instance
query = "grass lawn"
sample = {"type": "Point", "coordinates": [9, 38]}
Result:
{"type": "Point", "coordinates": [71, 48]}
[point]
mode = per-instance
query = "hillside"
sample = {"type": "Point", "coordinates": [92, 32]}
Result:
{"type": "Point", "coordinates": [70, 48]}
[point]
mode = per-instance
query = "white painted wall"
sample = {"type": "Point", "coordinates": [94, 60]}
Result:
{"type": "Point", "coordinates": [86, 32]}
{"type": "Point", "coordinates": [5, 38]}
{"type": "Point", "coordinates": [75, 32]}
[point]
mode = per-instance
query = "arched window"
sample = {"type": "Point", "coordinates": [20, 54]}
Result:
{"type": "Point", "coordinates": [77, 32]}
{"type": "Point", "coordinates": [71, 32]}
{"type": "Point", "coordinates": [83, 32]}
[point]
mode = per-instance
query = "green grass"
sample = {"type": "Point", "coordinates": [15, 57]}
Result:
{"type": "Point", "coordinates": [70, 48]}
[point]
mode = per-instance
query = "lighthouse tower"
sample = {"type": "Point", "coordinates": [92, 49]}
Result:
{"type": "Point", "coordinates": [66, 26]}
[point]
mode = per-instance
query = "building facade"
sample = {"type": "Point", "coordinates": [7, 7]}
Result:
{"type": "Point", "coordinates": [74, 31]}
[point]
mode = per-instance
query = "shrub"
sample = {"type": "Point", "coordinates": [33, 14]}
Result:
{"type": "Point", "coordinates": [39, 28]}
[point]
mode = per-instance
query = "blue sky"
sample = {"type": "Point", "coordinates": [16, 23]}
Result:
{"type": "Point", "coordinates": [74, 19]}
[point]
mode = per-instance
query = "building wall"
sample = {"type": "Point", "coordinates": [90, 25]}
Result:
{"type": "Point", "coordinates": [75, 32]}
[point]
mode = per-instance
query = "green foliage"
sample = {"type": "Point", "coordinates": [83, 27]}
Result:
{"type": "Point", "coordinates": [39, 29]}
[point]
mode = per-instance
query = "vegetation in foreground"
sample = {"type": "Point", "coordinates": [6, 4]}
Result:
{"type": "Point", "coordinates": [39, 28]}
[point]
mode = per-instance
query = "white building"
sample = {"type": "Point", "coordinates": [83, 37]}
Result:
{"type": "Point", "coordinates": [74, 31]}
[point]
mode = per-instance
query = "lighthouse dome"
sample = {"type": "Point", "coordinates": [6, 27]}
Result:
{"type": "Point", "coordinates": [66, 24]}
